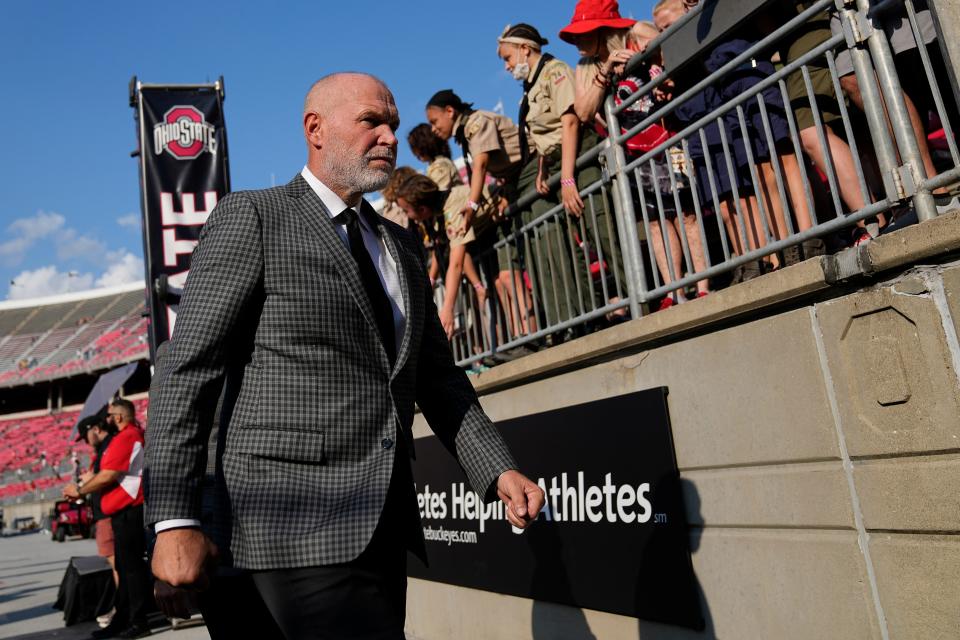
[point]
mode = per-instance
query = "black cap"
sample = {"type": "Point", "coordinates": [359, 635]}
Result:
{"type": "Point", "coordinates": [85, 425]}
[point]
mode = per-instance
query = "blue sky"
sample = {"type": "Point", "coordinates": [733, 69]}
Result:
{"type": "Point", "coordinates": [69, 196]}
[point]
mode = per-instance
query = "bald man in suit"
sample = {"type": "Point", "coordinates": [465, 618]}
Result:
{"type": "Point", "coordinates": [318, 315]}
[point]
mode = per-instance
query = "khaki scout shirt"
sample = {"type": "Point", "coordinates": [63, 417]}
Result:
{"type": "Point", "coordinates": [495, 135]}
{"type": "Point", "coordinates": [548, 99]}
{"type": "Point", "coordinates": [456, 201]}
{"type": "Point", "coordinates": [444, 173]}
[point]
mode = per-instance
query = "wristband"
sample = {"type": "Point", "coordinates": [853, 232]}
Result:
{"type": "Point", "coordinates": [568, 182]}
{"type": "Point", "coordinates": [473, 205]}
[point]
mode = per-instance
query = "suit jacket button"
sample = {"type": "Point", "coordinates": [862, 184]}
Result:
{"type": "Point", "coordinates": [386, 443]}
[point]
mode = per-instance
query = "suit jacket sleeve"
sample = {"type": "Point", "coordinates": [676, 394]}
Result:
{"type": "Point", "coordinates": [450, 405]}
{"type": "Point", "coordinates": [225, 275]}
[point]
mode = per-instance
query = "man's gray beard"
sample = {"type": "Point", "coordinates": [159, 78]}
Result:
{"type": "Point", "coordinates": [358, 175]}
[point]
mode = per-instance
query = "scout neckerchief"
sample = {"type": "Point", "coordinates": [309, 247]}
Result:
{"type": "Point", "coordinates": [525, 108]}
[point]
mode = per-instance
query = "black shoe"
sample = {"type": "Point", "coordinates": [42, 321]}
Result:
{"type": "Point", "coordinates": [141, 630]}
{"type": "Point", "coordinates": [112, 630]}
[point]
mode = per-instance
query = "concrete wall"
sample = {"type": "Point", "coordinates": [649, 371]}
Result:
{"type": "Point", "coordinates": [36, 510]}
{"type": "Point", "coordinates": [819, 439]}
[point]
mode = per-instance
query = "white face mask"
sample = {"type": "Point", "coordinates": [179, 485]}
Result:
{"type": "Point", "coordinates": [521, 70]}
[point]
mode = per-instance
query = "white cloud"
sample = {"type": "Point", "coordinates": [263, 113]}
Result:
{"type": "Point", "coordinates": [124, 267]}
{"type": "Point", "coordinates": [129, 221]}
{"type": "Point", "coordinates": [48, 281]}
{"type": "Point", "coordinates": [70, 244]}
{"type": "Point", "coordinates": [24, 232]}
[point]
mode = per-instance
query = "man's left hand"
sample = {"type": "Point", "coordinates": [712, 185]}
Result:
{"type": "Point", "coordinates": [71, 491]}
{"type": "Point", "coordinates": [523, 497]}
{"type": "Point", "coordinates": [175, 602]}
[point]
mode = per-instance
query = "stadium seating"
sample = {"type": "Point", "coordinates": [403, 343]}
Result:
{"type": "Point", "coordinates": [81, 335]}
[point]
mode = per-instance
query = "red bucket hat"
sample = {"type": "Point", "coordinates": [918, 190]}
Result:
{"type": "Point", "coordinates": [591, 15]}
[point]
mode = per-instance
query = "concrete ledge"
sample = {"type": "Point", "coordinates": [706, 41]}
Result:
{"type": "Point", "coordinates": [904, 247]}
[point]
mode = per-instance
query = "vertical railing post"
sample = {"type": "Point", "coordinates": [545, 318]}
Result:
{"type": "Point", "coordinates": [623, 210]}
{"type": "Point", "coordinates": [896, 110]}
{"type": "Point", "coordinates": [872, 102]}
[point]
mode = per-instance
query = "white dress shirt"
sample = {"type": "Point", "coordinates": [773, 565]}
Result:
{"type": "Point", "coordinates": [386, 265]}
{"type": "Point", "coordinates": [386, 269]}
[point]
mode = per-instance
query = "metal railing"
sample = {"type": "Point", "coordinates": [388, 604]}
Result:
{"type": "Point", "coordinates": [551, 275]}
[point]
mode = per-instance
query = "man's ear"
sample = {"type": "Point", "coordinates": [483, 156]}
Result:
{"type": "Point", "coordinates": [313, 129]}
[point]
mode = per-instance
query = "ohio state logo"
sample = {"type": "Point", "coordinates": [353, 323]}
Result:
{"type": "Point", "coordinates": [184, 134]}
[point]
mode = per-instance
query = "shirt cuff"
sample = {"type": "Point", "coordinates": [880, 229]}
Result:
{"type": "Point", "coordinates": [178, 523]}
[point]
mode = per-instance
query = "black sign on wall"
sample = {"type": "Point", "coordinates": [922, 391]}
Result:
{"type": "Point", "coordinates": [183, 174]}
{"type": "Point", "coordinates": [613, 534]}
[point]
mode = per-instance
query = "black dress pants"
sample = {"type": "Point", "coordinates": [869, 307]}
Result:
{"type": "Point", "coordinates": [134, 589]}
{"type": "Point", "coordinates": [362, 599]}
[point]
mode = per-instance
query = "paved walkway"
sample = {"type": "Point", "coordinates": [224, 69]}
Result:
{"type": "Point", "coordinates": [31, 568]}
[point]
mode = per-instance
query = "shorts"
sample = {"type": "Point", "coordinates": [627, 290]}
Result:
{"type": "Point", "coordinates": [104, 537]}
{"type": "Point", "coordinates": [897, 27]}
{"type": "Point", "coordinates": [811, 35]}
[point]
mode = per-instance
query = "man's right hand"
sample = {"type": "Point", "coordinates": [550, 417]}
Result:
{"type": "Point", "coordinates": [184, 558]}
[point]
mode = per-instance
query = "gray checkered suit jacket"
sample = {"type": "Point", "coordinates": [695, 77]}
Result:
{"type": "Point", "coordinates": [274, 314]}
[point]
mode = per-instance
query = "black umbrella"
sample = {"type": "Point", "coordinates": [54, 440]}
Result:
{"type": "Point", "coordinates": [106, 387]}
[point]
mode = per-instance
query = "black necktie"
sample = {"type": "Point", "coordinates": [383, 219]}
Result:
{"type": "Point", "coordinates": [461, 137]}
{"type": "Point", "coordinates": [382, 310]}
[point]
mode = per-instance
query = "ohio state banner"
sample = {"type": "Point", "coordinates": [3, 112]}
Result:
{"type": "Point", "coordinates": [183, 174]}
{"type": "Point", "coordinates": [612, 535]}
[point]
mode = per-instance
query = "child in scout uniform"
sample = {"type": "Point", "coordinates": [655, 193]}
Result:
{"type": "Point", "coordinates": [602, 38]}
{"type": "Point", "coordinates": [492, 144]}
{"type": "Point", "coordinates": [430, 148]}
{"type": "Point", "coordinates": [422, 199]}
{"type": "Point", "coordinates": [548, 121]}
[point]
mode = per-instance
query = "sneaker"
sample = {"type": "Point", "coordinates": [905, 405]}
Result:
{"type": "Point", "coordinates": [702, 294]}
{"type": "Point", "coordinates": [946, 202]}
{"type": "Point", "coordinates": [105, 620]}
{"type": "Point", "coordinates": [860, 236]}
{"type": "Point", "coordinates": [666, 303]}
{"type": "Point", "coordinates": [792, 255]}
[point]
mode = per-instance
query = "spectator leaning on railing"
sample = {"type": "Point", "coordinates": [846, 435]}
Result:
{"type": "Point", "coordinates": [762, 213]}
{"type": "Point", "coordinates": [661, 177]}
{"type": "Point", "coordinates": [913, 82]}
{"type": "Point", "coordinates": [391, 210]}
{"type": "Point", "coordinates": [428, 147]}
{"type": "Point", "coordinates": [492, 143]}
{"type": "Point", "coordinates": [603, 39]}
{"type": "Point", "coordinates": [422, 200]}
{"type": "Point", "coordinates": [547, 120]}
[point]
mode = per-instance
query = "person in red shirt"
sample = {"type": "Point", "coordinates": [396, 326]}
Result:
{"type": "Point", "coordinates": [120, 483]}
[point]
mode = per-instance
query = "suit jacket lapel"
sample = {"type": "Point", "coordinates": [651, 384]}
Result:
{"type": "Point", "coordinates": [392, 246]}
{"type": "Point", "coordinates": [316, 219]}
